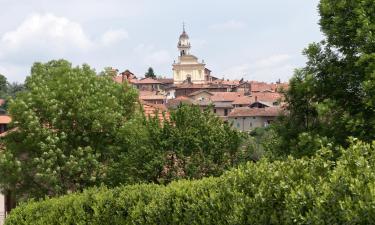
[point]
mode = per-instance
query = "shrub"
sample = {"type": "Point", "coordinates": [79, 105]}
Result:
{"type": "Point", "coordinates": [295, 191]}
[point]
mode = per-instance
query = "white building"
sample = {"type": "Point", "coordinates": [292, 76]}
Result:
{"type": "Point", "coordinates": [187, 67]}
{"type": "Point", "coordinates": [2, 209]}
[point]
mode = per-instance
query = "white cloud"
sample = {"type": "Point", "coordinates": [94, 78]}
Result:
{"type": "Point", "coordinates": [45, 33]}
{"type": "Point", "coordinates": [271, 61]}
{"type": "Point", "coordinates": [42, 37]}
{"type": "Point", "coordinates": [228, 25]}
{"type": "Point", "coordinates": [113, 36]}
{"type": "Point", "coordinates": [151, 56]}
{"type": "Point", "coordinates": [265, 69]}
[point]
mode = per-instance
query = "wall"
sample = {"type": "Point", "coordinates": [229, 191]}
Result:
{"type": "Point", "coordinates": [2, 209]}
{"type": "Point", "coordinates": [250, 122]}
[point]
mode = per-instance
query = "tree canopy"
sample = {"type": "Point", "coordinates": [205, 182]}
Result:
{"type": "Point", "coordinates": [65, 124]}
{"type": "Point", "coordinates": [331, 98]}
{"type": "Point", "coordinates": [150, 73]}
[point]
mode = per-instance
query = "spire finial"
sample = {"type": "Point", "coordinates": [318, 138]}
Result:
{"type": "Point", "coordinates": [183, 26]}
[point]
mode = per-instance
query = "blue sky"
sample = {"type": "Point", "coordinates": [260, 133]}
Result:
{"type": "Point", "coordinates": [257, 40]}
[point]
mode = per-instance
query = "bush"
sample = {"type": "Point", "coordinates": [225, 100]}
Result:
{"type": "Point", "coordinates": [294, 191]}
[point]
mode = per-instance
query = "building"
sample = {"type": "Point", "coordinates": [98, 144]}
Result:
{"type": "Point", "coordinates": [148, 84]}
{"type": "Point", "coordinates": [4, 201]}
{"type": "Point", "coordinates": [187, 67]}
{"type": "Point", "coordinates": [247, 119]}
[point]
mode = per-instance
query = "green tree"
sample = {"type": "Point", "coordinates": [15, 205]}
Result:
{"type": "Point", "coordinates": [108, 71]}
{"type": "Point", "coordinates": [3, 86]}
{"type": "Point", "coordinates": [188, 144]}
{"type": "Point", "coordinates": [66, 125]}
{"type": "Point", "coordinates": [331, 98]}
{"type": "Point", "coordinates": [150, 73]}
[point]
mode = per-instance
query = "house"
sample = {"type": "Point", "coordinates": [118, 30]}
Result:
{"type": "Point", "coordinates": [242, 101]}
{"type": "Point", "coordinates": [148, 84]}
{"type": "Point", "coordinates": [152, 97]}
{"type": "Point", "coordinates": [201, 95]}
{"type": "Point", "coordinates": [174, 103]}
{"type": "Point", "coordinates": [247, 119]}
{"type": "Point", "coordinates": [4, 201]}
{"type": "Point", "coordinates": [4, 121]}
{"type": "Point", "coordinates": [187, 88]}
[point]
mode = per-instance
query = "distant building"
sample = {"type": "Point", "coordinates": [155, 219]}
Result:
{"type": "Point", "coordinates": [187, 67]}
{"type": "Point", "coordinates": [247, 119]}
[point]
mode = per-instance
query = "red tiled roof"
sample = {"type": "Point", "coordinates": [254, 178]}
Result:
{"type": "Point", "coordinates": [5, 119]}
{"type": "Point", "coordinates": [148, 81]}
{"type": "Point", "coordinates": [243, 100]}
{"type": "Point", "coordinates": [166, 80]}
{"type": "Point", "coordinates": [225, 96]}
{"type": "Point", "coordinates": [246, 111]}
{"type": "Point", "coordinates": [266, 96]}
{"type": "Point", "coordinates": [150, 110]}
{"type": "Point", "coordinates": [173, 103]}
{"type": "Point", "coordinates": [152, 97]}
{"type": "Point", "coordinates": [262, 86]}
{"type": "Point", "coordinates": [143, 93]}
{"type": "Point", "coordinates": [200, 91]}
{"type": "Point", "coordinates": [226, 82]}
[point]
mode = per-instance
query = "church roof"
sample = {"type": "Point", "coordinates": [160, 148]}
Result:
{"type": "Point", "coordinates": [184, 35]}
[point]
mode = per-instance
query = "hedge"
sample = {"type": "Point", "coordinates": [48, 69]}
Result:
{"type": "Point", "coordinates": [313, 190]}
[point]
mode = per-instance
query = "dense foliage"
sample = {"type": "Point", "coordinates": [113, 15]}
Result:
{"type": "Point", "coordinates": [188, 144]}
{"type": "Point", "coordinates": [294, 191]}
{"type": "Point", "coordinates": [8, 90]}
{"type": "Point", "coordinates": [150, 73]}
{"type": "Point", "coordinates": [74, 130]}
{"type": "Point", "coordinates": [332, 97]}
{"type": "Point", "coordinates": [66, 123]}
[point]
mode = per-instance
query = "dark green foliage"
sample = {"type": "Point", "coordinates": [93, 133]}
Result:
{"type": "Point", "coordinates": [191, 144]}
{"type": "Point", "coordinates": [150, 73]}
{"type": "Point", "coordinates": [295, 191]}
{"type": "Point", "coordinates": [331, 98]}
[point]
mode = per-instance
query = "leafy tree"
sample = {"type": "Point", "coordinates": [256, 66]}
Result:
{"type": "Point", "coordinates": [150, 73]}
{"type": "Point", "coordinates": [190, 144]}
{"type": "Point", "coordinates": [3, 85]}
{"type": "Point", "coordinates": [331, 98]}
{"type": "Point", "coordinates": [108, 71]}
{"type": "Point", "coordinates": [66, 125]}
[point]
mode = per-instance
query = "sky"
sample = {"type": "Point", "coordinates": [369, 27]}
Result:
{"type": "Point", "coordinates": [252, 39]}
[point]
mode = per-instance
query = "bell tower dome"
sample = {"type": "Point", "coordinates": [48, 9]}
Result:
{"type": "Point", "coordinates": [184, 43]}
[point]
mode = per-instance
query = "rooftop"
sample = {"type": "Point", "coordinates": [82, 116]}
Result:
{"type": "Point", "coordinates": [247, 112]}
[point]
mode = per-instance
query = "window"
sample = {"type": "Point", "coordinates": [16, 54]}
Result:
{"type": "Point", "coordinates": [214, 110]}
{"type": "Point", "coordinates": [238, 125]}
{"type": "Point", "coordinates": [251, 124]}
{"type": "Point", "coordinates": [254, 117]}
{"type": "Point", "coordinates": [225, 112]}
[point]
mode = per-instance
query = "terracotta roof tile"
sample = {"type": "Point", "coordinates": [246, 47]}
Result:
{"type": "Point", "coordinates": [173, 103]}
{"type": "Point", "coordinates": [225, 96]}
{"type": "Point", "coordinates": [150, 110]}
{"type": "Point", "coordinates": [243, 100]}
{"type": "Point", "coordinates": [148, 81]}
{"type": "Point", "coordinates": [266, 96]}
{"type": "Point", "coordinates": [5, 119]}
{"type": "Point", "coordinates": [246, 111]}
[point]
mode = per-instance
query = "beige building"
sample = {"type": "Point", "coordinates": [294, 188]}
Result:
{"type": "Point", "coordinates": [247, 119]}
{"type": "Point", "coordinates": [187, 67]}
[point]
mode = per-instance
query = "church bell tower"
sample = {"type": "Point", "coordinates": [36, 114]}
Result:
{"type": "Point", "coordinates": [187, 68]}
{"type": "Point", "coordinates": [184, 43]}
